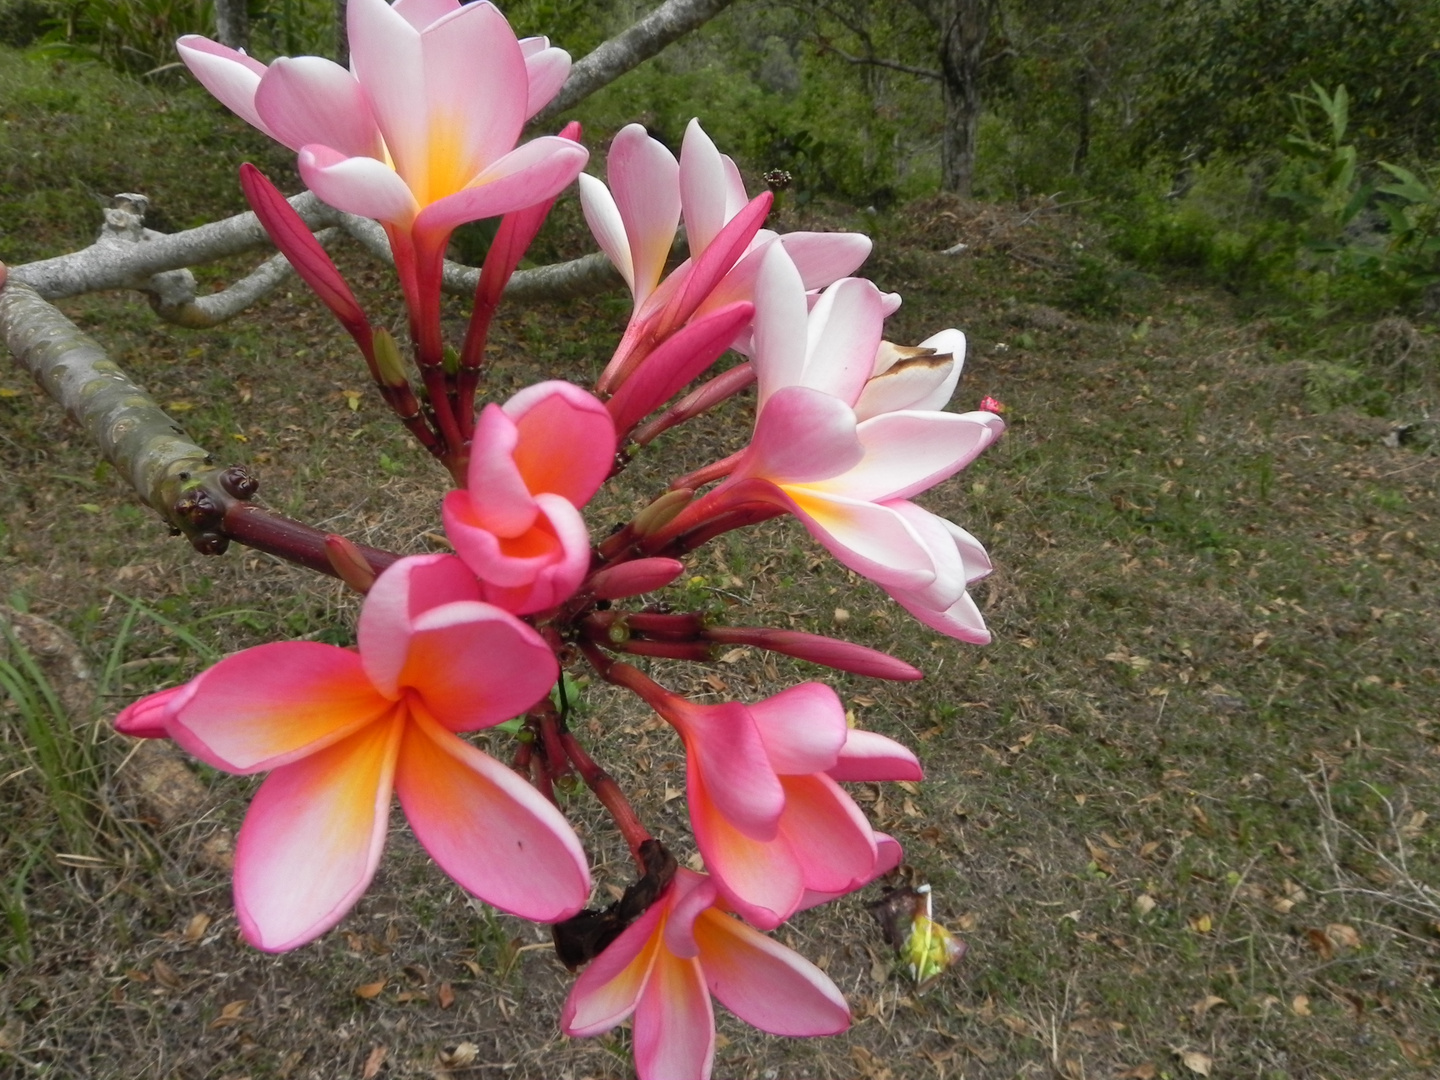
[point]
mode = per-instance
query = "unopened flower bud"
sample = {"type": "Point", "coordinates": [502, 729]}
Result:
{"type": "Point", "coordinates": [633, 578]}
{"type": "Point", "coordinates": [387, 358]}
{"type": "Point", "coordinates": [349, 565]}
{"type": "Point", "coordinates": [662, 511]}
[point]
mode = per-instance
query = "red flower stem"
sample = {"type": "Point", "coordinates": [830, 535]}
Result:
{"type": "Point", "coordinates": [676, 626]}
{"type": "Point", "coordinates": [288, 539]}
{"type": "Point", "coordinates": [716, 470]}
{"type": "Point", "coordinates": [556, 762]}
{"type": "Point", "coordinates": [611, 797]}
{"type": "Point", "coordinates": [670, 650]}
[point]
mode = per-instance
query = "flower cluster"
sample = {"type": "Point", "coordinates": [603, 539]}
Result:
{"type": "Point", "coordinates": [848, 429]}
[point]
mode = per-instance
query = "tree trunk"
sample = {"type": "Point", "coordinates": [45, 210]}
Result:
{"type": "Point", "coordinates": [964, 25]}
{"type": "Point", "coordinates": [232, 23]}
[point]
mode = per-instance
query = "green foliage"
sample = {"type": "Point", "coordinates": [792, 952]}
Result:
{"type": "Point", "coordinates": [136, 36]}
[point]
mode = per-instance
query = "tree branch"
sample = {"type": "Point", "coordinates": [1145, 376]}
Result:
{"type": "Point", "coordinates": [176, 478]}
{"type": "Point", "coordinates": [630, 49]}
{"type": "Point", "coordinates": [880, 61]}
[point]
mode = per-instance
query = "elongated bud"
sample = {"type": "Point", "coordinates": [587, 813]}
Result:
{"type": "Point", "coordinates": [633, 578]}
{"type": "Point", "coordinates": [818, 649]}
{"type": "Point", "coordinates": [349, 565]}
{"type": "Point", "coordinates": [388, 360]}
{"type": "Point", "coordinates": [661, 512]}
{"type": "Point", "coordinates": [670, 650]}
{"type": "Point", "coordinates": [674, 625]}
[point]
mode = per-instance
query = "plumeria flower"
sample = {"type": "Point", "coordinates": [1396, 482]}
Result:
{"type": "Point", "coordinates": [635, 218]}
{"type": "Point", "coordinates": [421, 132]}
{"type": "Point", "coordinates": [533, 462]}
{"type": "Point", "coordinates": [923, 377]}
{"type": "Point", "coordinates": [770, 819]}
{"type": "Point", "coordinates": [666, 966]}
{"type": "Point", "coordinates": [831, 447]}
{"type": "Point", "coordinates": [339, 730]}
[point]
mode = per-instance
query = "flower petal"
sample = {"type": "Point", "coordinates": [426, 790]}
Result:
{"type": "Point", "coordinates": [704, 188]}
{"type": "Point", "coordinates": [231, 76]}
{"type": "Point", "coordinates": [645, 181]}
{"type": "Point", "coordinates": [357, 185]}
{"type": "Point", "coordinates": [497, 498]}
{"type": "Point", "coordinates": [869, 538]}
{"type": "Point", "coordinates": [566, 443]}
{"type": "Point", "coordinates": [474, 665]}
{"type": "Point", "coordinates": [727, 767]}
{"type": "Point", "coordinates": [758, 878]}
{"type": "Point", "coordinates": [149, 718]}
{"type": "Point", "coordinates": [312, 839]}
{"type": "Point", "coordinates": [781, 324]}
{"type": "Point", "coordinates": [609, 989]}
{"type": "Point", "coordinates": [802, 436]}
{"type": "Point", "coordinates": [272, 704]}
{"type": "Point", "coordinates": [803, 728]}
{"type": "Point", "coordinates": [824, 258]}
{"type": "Point", "coordinates": [547, 68]}
{"type": "Point", "coordinates": [402, 592]}
{"type": "Point", "coordinates": [529, 174]}
{"type": "Point", "coordinates": [909, 452]}
{"type": "Point", "coordinates": [487, 827]}
{"type": "Point", "coordinates": [843, 333]}
{"type": "Point", "coordinates": [765, 984]}
{"type": "Point", "coordinates": [826, 833]}
{"type": "Point", "coordinates": [307, 99]}
{"type": "Point", "coordinates": [606, 225]}
{"type": "Point", "coordinates": [868, 755]}
{"type": "Point", "coordinates": [674, 1022]}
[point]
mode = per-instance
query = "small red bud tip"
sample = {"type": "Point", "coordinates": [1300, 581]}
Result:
{"type": "Point", "coordinates": [990, 404]}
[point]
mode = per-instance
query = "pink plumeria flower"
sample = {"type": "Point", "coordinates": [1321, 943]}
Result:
{"type": "Point", "coordinates": [770, 820]}
{"type": "Point", "coordinates": [666, 966]}
{"type": "Point", "coordinates": [421, 132]}
{"type": "Point", "coordinates": [533, 462]}
{"type": "Point", "coordinates": [635, 218]}
{"type": "Point", "coordinates": [340, 730]}
{"type": "Point", "coordinates": [849, 477]}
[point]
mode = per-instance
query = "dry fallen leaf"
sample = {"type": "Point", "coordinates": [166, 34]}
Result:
{"type": "Point", "coordinates": [1201, 924]}
{"type": "Point", "coordinates": [445, 995]}
{"type": "Point", "coordinates": [1343, 936]}
{"type": "Point", "coordinates": [370, 990]}
{"type": "Point", "coordinates": [230, 1015]}
{"type": "Point", "coordinates": [1197, 1062]}
{"type": "Point", "coordinates": [1200, 1008]}
{"type": "Point", "coordinates": [373, 1062]}
{"type": "Point", "coordinates": [1144, 903]}
{"type": "Point", "coordinates": [1147, 1071]}
{"type": "Point", "coordinates": [165, 975]}
{"type": "Point", "coordinates": [196, 927]}
{"type": "Point", "coordinates": [462, 1057]}
{"type": "Point", "coordinates": [1300, 1005]}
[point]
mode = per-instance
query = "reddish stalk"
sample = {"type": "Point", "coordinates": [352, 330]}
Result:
{"type": "Point", "coordinates": [611, 797]}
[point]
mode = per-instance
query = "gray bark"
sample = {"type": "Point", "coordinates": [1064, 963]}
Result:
{"type": "Point", "coordinates": [232, 23]}
{"type": "Point", "coordinates": [671, 20]}
{"type": "Point", "coordinates": [964, 26]}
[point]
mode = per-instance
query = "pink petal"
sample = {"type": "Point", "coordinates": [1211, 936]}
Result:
{"type": "Point", "coordinates": [781, 321]}
{"type": "Point", "coordinates": [704, 187]}
{"type": "Point", "coordinates": [801, 436]}
{"type": "Point", "coordinates": [803, 728]}
{"type": "Point", "coordinates": [760, 879]}
{"type": "Point", "coordinates": [633, 578]}
{"type": "Point", "coordinates": [566, 440]}
{"type": "Point", "coordinates": [764, 983]}
{"type": "Point", "coordinates": [149, 717]}
{"type": "Point", "coordinates": [474, 665]}
{"type": "Point", "coordinates": [496, 498]}
{"type": "Point", "coordinates": [689, 896]}
{"type": "Point", "coordinates": [422, 13]}
{"type": "Point", "coordinates": [312, 839]}
{"type": "Point", "coordinates": [961, 620]}
{"type": "Point", "coordinates": [674, 1023]}
{"type": "Point", "coordinates": [312, 100]}
{"type": "Point", "coordinates": [274, 704]}
{"type": "Point", "coordinates": [910, 452]}
{"type": "Point", "coordinates": [727, 767]}
{"type": "Point", "coordinates": [683, 357]}
{"type": "Point", "coordinates": [868, 756]}
{"type": "Point", "coordinates": [843, 334]}
{"type": "Point", "coordinates": [530, 174]}
{"type": "Point", "coordinates": [547, 68]}
{"type": "Point", "coordinates": [403, 591]}
{"type": "Point", "coordinates": [548, 560]}
{"type": "Point", "coordinates": [888, 855]}
{"type": "Point", "coordinates": [919, 383]}
{"type": "Point", "coordinates": [487, 827]}
{"type": "Point", "coordinates": [824, 258]}
{"type": "Point", "coordinates": [606, 225]}
{"type": "Point", "coordinates": [645, 181]}
{"type": "Point", "coordinates": [871, 539]}
{"type": "Point", "coordinates": [707, 271]}
{"type": "Point", "coordinates": [609, 989]}
{"type": "Point", "coordinates": [357, 185]}
{"type": "Point", "coordinates": [826, 833]}
{"type": "Point", "coordinates": [230, 76]}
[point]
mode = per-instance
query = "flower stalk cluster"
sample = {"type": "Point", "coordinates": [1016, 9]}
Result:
{"type": "Point", "coordinates": [421, 134]}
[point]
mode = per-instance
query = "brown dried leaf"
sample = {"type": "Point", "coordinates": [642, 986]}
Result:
{"type": "Point", "coordinates": [230, 1014]}
{"type": "Point", "coordinates": [1300, 1005]}
{"type": "Point", "coordinates": [373, 1061]}
{"type": "Point", "coordinates": [462, 1057]}
{"type": "Point", "coordinates": [1342, 936]}
{"type": "Point", "coordinates": [1147, 1071]}
{"type": "Point", "coordinates": [1320, 943]}
{"type": "Point", "coordinates": [196, 927]}
{"type": "Point", "coordinates": [1197, 1062]}
{"type": "Point", "coordinates": [165, 975]}
{"type": "Point", "coordinates": [445, 995]}
{"type": "Point", "coordinates": [368, 991]}
{"type": "Point", "coordinates": [1203, 1006]}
